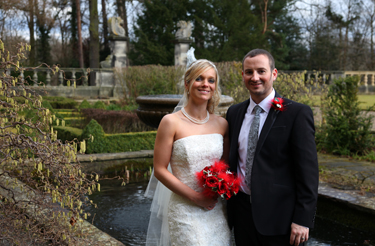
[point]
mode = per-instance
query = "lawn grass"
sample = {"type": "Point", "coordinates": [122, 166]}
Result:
{"type": "Point", "coordinates": [365, 100]}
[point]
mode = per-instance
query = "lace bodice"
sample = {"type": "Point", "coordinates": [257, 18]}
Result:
{"type": "Point", "coordinates": [190, 224]}
{"type": "Point", "coordinates": [191, 154]}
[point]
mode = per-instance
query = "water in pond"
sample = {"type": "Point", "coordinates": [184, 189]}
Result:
{"type": "Point", "coordinates": [123, 213]}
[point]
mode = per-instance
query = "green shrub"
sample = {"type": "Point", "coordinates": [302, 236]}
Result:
{"type": "Point", "coordinates": [61, 102]}
{"type": "Point", "coordinates": [130, 141]}
{"type": "Point", "coordinates": [346, 129]}
{"type": "Point", "coordinates": [296, 87]}
{"type": "Point", "coordinates": [99, 105]}
{"type": "Point", "coordinates": [85, 104]}
{"type": "Point", "coordinates": [113, 106]}
{"type": "Point", "coordinates": [68, 133]}
{"type": "Point", "coordinates": [231, 81]}
{"type": "Point", "coordinates": [149, 80]}
{"type": "Point", "coordinates": [107, 143]}
{"type": "Point", "coordinates": [98, 143]}
{"type": "Point", "coordinates": [33, 115]}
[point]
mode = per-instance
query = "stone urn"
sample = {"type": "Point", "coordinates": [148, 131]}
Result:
{"type": "Point", "coordinates": [152, 108]}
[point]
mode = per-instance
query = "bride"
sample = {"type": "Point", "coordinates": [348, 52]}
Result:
{"type": "Point", "coordinates": [189, 140]}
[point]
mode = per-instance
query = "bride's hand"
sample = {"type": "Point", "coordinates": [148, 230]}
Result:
{"type": "Point", "coordinates": [205, 202]}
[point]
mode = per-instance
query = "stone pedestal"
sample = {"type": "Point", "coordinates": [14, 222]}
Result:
{"type": "Point", "coordinates": [118, 51]}
{"type": "Point", "coordinates": [180, 49]}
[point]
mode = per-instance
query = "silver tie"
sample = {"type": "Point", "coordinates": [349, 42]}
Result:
{"type": "Point", "coordinates": [252, 144]}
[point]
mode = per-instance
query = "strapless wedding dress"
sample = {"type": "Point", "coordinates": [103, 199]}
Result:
{"type": "Point", "coordinates": [190, 224]}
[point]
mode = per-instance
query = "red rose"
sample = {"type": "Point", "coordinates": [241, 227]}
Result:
{"type": "Point", "coordinates": [277, 104]}
{"type": "Point", "coordinates": [212, 181]}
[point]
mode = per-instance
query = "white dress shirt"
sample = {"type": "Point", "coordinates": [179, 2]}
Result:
{"type": "Point", "coordinates": [244, 135]}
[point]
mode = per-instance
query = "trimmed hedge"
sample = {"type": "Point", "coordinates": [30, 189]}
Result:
{"type": "Point", "coordinates": [99, 105]}
{"type": "Point", "coordinates": [99, 143]}
{"type": "Point", "coordinates": [84, 104]}
{"type": "Point", "coordinates": [68, 133]}
{"type": "Point", "coordinates": [107, 143]}
{"type": "Point", "coordinates": [130, 142]}
{"type": "Point", "coordinates": [61, 102]}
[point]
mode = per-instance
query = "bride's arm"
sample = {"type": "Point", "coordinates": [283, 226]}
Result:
{"type": "Point", "coordinates": [226, 144]}
{"type": "Point", "coordinates": [162, 155]}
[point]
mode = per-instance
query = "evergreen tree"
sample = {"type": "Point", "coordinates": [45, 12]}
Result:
{"type": "Point", "coordinates": [234, 31]}
{"type": "Point", "coordinates": [223, 30]}
{"type": "Point", "coordinates": [155, 30]}
{"type": "Point", "coordinates": [279, 29]}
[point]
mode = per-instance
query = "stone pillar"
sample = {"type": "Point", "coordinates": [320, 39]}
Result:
{"type": "Point", "coordinates": [181, 47]}
{"type": "Point", "coordinates": [118, 51]}
{"type": "Point", "coordinates": [182, 42]}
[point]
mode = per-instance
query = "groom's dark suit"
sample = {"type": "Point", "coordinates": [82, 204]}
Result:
{"type": "Point", "coordinates": [284, 183]}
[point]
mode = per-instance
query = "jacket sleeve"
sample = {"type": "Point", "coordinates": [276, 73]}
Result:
{"type": "Point", "coordinates": [305, 167]}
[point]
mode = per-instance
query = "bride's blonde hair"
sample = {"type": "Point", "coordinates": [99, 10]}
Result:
{"type": "Point", "coordinates": [193, 72]}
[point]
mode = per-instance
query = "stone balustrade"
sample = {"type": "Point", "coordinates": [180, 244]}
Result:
{"type": "Point", "coordinates": [103, 76]}
{"type": "Point", "coordinates": [101, 82]}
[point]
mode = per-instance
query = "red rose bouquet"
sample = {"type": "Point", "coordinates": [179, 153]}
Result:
{"type": "Point", "coordinates": [218, 180]}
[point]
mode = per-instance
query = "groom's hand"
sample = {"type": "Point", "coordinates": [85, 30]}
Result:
{"type": "Point", "coordinates": [299, 234]}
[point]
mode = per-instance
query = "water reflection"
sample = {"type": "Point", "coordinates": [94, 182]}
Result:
{"type": "Point", "coordinates": [123, 213]}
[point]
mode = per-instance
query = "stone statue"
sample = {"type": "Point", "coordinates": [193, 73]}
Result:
{"type": "Point", "coordinates": [185, 30]}
{"type": "Point", "coordinates": [115, 28]}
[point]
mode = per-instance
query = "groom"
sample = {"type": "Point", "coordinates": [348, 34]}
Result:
{"type": "Point", "coordinates": [272, 147]}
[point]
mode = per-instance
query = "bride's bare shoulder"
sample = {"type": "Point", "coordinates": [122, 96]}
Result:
{"type": "Point", "coordinates": [170, 120]}
{"type": "Point", "coordinates": [220, 120]}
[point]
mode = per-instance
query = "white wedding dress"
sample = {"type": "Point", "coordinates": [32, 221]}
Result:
{"type": "Point", "coordinates": [188, 223]}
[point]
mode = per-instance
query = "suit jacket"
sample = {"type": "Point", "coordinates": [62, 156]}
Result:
{"type": "Point", "coordinates": [284, 181]}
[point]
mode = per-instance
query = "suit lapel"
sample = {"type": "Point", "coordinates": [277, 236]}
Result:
{"type": "Point", "coordinates": [272, 115]}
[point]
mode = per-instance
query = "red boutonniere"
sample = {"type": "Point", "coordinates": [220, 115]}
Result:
{"type": "Point", "coordinates": [277, 104]}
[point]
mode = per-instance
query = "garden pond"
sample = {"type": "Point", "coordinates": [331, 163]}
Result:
{"type": "Point", "coordinates": [123, 211]}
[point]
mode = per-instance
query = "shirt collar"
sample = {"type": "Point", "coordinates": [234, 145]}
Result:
{"type": "Point", "coordinates": [265, 104]}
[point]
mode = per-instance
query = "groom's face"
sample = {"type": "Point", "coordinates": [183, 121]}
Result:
{"type": "Point", "coordinates": [258, 77]}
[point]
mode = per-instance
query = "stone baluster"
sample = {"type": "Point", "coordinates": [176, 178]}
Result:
{"type": "Point", "coordinates": [372, 79]}
{"type": "Point", "coordinates": [331, 76]}
{"type": "Point", "coordinates": [35, 77]}
{"type": "Point", "coordinates": [22, 76]}
{"type": "Point", "coordinates": [84, 78]}
{"type": "Point", "coordinates": [366, 82]}
{"type": "Point", "coordinates": [73, 77]}
{"type": "Point", "coordinates": [324, 78]}
{"type": "Point", "coordinates": [61, 78]}
{"type": "Point", "coordinates": [308, 76]}
{"type": "Point", "coordinates": [48, 77]}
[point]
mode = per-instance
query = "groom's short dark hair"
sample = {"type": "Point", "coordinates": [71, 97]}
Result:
{"type": "Point", "coordinates": [256, 52]}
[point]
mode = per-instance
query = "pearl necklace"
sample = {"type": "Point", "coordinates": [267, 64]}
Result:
{"type": "Point", "coordinates": [199, 122]}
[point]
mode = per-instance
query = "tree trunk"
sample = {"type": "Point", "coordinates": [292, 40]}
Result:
{"type": "Point", "coordinates": [94, 38]}
{"type": "Point", "coordinates": [80, 52]}
{"type": "Point", "coordinates": [31, 25]}
{"type": "Point", "coordinates": [372, 40]}
{"type": "Point", "coordinates": [105, 25]}
{"type": "Point", "coordinates": [264, 17]}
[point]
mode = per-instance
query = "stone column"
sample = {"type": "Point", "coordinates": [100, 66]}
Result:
{"type": "Point", "coordinates": [181, 47]}
{"type": "Point", "coordinates": [118, 51]}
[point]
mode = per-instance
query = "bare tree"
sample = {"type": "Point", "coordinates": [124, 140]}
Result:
{"type": "Point", "coordinates": [80, 51]}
